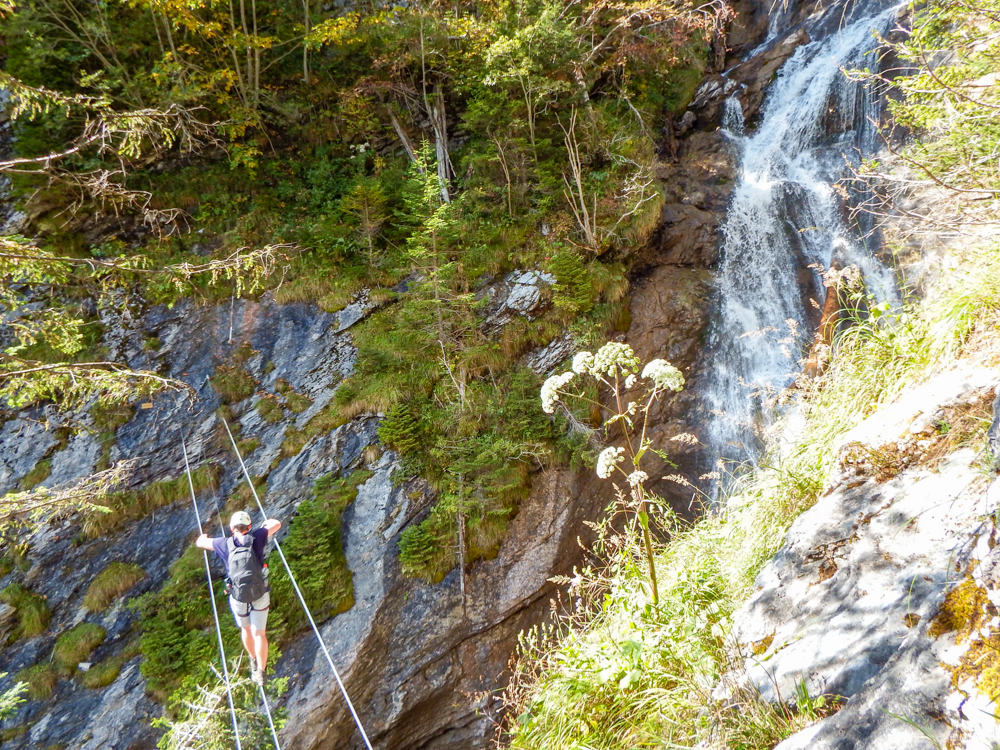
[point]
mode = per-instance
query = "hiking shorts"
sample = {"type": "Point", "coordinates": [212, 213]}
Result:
{"type": "Point", "coordinates": [252, 614]}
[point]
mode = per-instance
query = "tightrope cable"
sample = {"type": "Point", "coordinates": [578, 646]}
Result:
{"type": "Point", "coordinates": [267, 707]}
{"type": "Point", "coordinates": [211, 596]}
{"type": "Point", "coordinates": [298, 591]}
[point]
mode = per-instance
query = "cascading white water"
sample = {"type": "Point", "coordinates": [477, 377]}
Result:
{"type": "Point", "coordinates": [786, 224]}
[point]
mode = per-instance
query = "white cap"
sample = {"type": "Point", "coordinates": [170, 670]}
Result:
{"type": "Point", "coordinates": [240, 518]}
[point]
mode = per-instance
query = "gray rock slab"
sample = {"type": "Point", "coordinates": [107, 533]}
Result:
{"type": "Point", "coordinates": [845, 606]}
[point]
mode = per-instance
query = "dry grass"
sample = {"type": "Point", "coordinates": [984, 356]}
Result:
{"type": "Point", "coordinates": [41, 680]}
{"type": "Point", "coordinates": [132, 505]}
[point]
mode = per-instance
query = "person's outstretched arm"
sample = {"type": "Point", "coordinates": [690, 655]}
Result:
{"type": "Point", "coordinates": [272, 525]}
{"type": "Point", "coordinates": [204, 542]}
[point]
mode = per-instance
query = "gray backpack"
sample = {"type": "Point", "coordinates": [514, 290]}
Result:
{"type": "Point", "coordinates": [247, 582]}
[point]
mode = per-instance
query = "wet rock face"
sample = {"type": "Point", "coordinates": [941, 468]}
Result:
{"type": "Point", "coordinates": [847, 606]}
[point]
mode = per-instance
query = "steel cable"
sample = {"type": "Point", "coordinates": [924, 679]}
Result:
{"type": "Point", "coordinates": [211, 596]}
{"type": "Point", "coordinates": [298, 591]}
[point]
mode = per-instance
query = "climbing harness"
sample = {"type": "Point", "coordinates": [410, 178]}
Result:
{"type": "Point", "coordinates": [298, 592]}
{"type": "Point", "coordinates": [211, 596]}
{"type": "Point", "coordinates": [215, 614]}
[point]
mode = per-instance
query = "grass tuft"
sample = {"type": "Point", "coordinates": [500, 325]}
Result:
{"type": "Point", "coordinates": [32, 610]}
{"type": "Point", "coordinates": [41, 680]}
{"type": "Point", "coordinates": [110, 583]}
{"type": "Point", "coordinates": [232, 383]}
{"type": "Point", "coordinates": [131, 505]}
{"type": "Point", "coordinates": [75, 645]}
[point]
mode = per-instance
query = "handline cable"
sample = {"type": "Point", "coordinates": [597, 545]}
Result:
{"type": "Point", "coordinates": [211, 596]}
{"type": "Point", "coordinates": [267, 707]}
{"type": "Point", "coordinates": [298, 591]}
{"type": "Point", "coordinates": [270, 721]}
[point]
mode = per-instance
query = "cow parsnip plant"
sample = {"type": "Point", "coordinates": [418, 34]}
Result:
{"type": "Point", "coordinates": [616, 367]}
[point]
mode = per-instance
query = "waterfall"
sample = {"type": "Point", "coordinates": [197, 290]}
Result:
{"type": "Point", "coordinates": [784, 226]}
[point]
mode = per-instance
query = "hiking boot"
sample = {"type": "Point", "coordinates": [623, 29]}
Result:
{"type": "Point", "coordinates": [257, 677]}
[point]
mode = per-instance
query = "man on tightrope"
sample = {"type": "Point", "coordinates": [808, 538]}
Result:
{"type": "Point", "coordinates": [242, 556]}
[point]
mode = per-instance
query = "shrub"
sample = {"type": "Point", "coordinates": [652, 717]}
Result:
{"type": "Point", "coordinates": [75, 645]}
{"type": "Point", "coordinates": [110, 583]}
{"type": "Point", "coordinates": [297, 402]}
{"type": "Point", "coordinates": [177, 635]}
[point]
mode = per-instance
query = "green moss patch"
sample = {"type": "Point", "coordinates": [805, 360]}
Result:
{"type": "Point", "coordinates": [107, 419]}
{"type": "Point", "coordinates": [32, 610]}
{"type": "Point", "coordinates": [75, 645]}
{"type": "Point", "coordinates": [110, 583]}
{"type": "Point", "coordinates": [105, 672]}
{"type": "Point", "coordinates": [38, 474]}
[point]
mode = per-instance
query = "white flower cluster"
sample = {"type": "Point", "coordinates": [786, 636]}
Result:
{"type": "Point", "coordinates": [550, 391]}
{"type": "Point", "coordinates": [607, 460]}
{"type": "Point", "coordinates": [664, 375]}
{"type": "Point", "coordinates": [612, 356]}
{"type": "Point", "coordinates": [583, 362]}
{"type": "Point", "coordinates": [637, 477]}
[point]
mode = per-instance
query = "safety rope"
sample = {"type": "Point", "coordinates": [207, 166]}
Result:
{"type": "Point", "coordinates": [298, 592]}
{"type": "Point", "coordinates": [211, 596]}
{"type": "Point", "coordinates": [267, 706]}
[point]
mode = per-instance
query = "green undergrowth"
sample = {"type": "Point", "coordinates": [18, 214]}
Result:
{"type": "Point", "coordinates": [551, 167]}
{"type": "Point", "coordinates": [187, 723]}
{"type": "Point", "coordinates": [32, 611]}
{"type": "Point", "coordinates": [629, 675]}
{"type": "Point", "coordinates": [106, 671]}
{"type": "Point", "coordinates": [314, 549]}
{"type": "Point", "coordinates": [480, 470]}
{"type": "Point", "coordinates": [177, 634]}
{"type": "Point", "coordinates": [131, 505]}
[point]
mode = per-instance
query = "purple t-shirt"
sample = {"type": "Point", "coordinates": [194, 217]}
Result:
{"type": "Point", "coordinates": [222, 551]}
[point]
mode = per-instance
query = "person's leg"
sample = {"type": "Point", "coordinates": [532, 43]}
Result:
{"type": "Point", "coordinates": [258, 626]}
{"type": "Point", "coordinates": [260, 647]}
{"type": "Point", "coordinates": [248, 642]}
{"type": "Point", "coordinates": [241, 612]}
